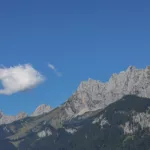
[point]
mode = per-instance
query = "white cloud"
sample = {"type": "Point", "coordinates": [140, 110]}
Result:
{"type": "Point", "coordinates": [19, 78]}
{"type": "Point", "coordinates": [51, 66]}
{"type": "Point", "coordinates": [59, 74]}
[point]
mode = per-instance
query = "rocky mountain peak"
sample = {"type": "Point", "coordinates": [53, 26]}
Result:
{"type": "Point", "coordinates": [92, 94]}
{"type": "Point", "coordinates": [131, 68]}
{"type": "Point", "coordinates": [148, 67]}
{"type": "Point", "coordinates": [87, 85]}
{"type": "Point", "coordinates": [41, 110]}
{"type": "Point", "coordinates": [21, 115]}
{"type": "Point", "coordinates": [1, 114]}
{"type": "Point", "coordinates": [6, 119]}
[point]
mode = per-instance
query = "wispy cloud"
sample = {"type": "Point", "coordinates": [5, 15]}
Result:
{"type": "Point", "coordinates": [19, 78]}
{"type": "Point", "coordinates": [52, 67]}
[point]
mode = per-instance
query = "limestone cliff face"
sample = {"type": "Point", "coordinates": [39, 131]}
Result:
{"type": "Point", "coordinates": [93, 95]}
{"type": "Point", "coordinates": [5, 119]}
{"type": "Point", "coordinates": [41, 110]}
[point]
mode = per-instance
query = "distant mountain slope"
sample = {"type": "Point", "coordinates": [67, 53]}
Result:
{"type": "Point", "coordinates": [123, 125]}
{"type": "Point", "coordinates": [5, 119]}
{"type": "Point", "coordinates": [6, 145]}
{"type": "Point", "coordinates": [40, 110]}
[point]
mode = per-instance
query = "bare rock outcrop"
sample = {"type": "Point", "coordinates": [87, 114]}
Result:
{"type": "Point", "coordinates": [5, 119]}
{"type": "Point", "coordinates": [41, 110]}
{"type": "Point", "coordinates": [93, 95]}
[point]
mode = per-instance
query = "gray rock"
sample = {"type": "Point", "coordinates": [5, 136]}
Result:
{"type": "Point", "coordinates": [5, 119]}
{"type": "Point", "coordinates": [71, 130]}
{"type": "Point", "coordinates": [92, 95]}
{"type": "Point", "coordinates": [44, 133]}
{"type": "Point", "coordinates": [41, 110]}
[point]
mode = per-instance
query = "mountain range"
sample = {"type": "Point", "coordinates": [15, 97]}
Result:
{"type": "Point", "coordinates": [112, 115]}
{"type": "Point", "coordinates": [5, 119]}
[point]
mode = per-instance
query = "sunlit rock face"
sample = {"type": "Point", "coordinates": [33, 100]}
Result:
{"type": "Point", "coordinates": [141, 120]}
{"type": "Point", "coordinates": [71, 130]}
{"type": "Point", "coordinates": [41, 110]}
{"type": "Point", "coordinates": [44, 133]}
{"type": "Point", "coordinates": [5, 119]}
{"type": "Point", "coordinates": [93, 95]}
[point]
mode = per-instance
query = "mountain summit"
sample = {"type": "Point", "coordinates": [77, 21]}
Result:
{"type": "Point", "coordinates": [5, 119]}
{"type": "Point", "coordinates": [41, 110]}
{"type": "Point", "coordinates": [93, 95]}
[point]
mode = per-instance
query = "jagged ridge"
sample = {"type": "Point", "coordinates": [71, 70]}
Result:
{"type": "Point", "coordinates": [93, 95]}
{"type": "Point", "coordinates": [40, 110]}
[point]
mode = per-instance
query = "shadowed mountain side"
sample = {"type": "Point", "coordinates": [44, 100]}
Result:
{"type": "Point", "coordinates": [123, 125]}
{"type": "Point", "coordinates": [6, 145]}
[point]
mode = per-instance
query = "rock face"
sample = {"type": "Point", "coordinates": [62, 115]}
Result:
{"type": "Point", "coordinates": [5, 119]}
{"type": "Point", "coordinates": [44, 133]}
{"type": "Point", "coordinates": [41, 110]}
{"type": "Point", "coordinates": [93, 95]}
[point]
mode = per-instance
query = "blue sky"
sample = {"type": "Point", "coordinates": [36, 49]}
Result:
{"type": "Point", "coordinates": [82, 39]}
